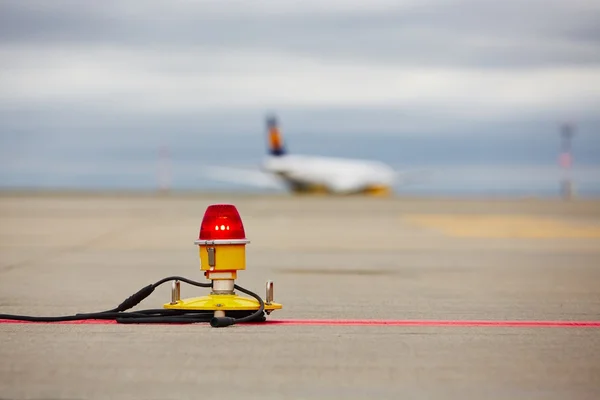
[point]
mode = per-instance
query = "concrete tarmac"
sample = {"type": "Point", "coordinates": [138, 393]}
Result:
{"type": "Point", "coordinates": [333, 258]}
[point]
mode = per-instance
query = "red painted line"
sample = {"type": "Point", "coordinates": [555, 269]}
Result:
{"type": "Point", "coordinates": [455, 323]}
{"type": "Point", "coordinates": [82, 322]}
{"type": "Point", "coordinates": [373, 322]}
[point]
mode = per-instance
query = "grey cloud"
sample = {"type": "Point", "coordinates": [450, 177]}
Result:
{"type": "Point", "coordinates": [461, 33]}
{"type": "Point", "coordinates": [83, 66]}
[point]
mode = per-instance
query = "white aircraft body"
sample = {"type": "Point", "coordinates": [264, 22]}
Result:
{"type": "Point", "coordinates": [312, 174]}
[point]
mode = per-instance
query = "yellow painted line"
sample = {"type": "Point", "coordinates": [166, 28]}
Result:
{"type": "Point", "coordinates": [503, 226]}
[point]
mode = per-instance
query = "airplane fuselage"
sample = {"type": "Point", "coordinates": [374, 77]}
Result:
{"type": "Point", "coordinates": [314, 174]}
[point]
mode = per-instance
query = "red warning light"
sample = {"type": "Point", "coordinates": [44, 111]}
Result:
{"type": "Point", "coordinates": [221, 221]}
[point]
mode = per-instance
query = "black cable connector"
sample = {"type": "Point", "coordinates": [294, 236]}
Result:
{"type": "Point", "coordinates": [155, 316]}
{"type": "Point", "coordinates": [136, 298]}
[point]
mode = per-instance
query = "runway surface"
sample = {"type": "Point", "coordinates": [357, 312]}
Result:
{"type": "Point", "coordinates": [331, 259]}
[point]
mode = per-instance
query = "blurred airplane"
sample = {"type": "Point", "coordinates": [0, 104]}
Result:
{"type": "Point", "coordinates": [302, 174]}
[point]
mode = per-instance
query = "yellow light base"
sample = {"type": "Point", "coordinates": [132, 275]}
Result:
{"type": "Point", "coordinates": [222, 302]}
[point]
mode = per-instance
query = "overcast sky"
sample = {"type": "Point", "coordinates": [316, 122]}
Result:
{"type": "Point", "coordinates": [362, 66]}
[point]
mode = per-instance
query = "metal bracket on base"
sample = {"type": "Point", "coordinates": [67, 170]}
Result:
{"type": "Point", "coordinates": [269, 296]}
{"type": "Point", "coordinates": [175, 292]}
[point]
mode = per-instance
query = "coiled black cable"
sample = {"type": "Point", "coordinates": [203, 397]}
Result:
{"type": "Point", "coordinates": [160, 316]}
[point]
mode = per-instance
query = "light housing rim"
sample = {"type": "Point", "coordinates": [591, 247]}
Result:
{"type": "Point", "coordinates": [209, 242]}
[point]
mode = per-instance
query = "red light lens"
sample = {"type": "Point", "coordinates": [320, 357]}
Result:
{"type": "Point", "coordinates": [222, 221]}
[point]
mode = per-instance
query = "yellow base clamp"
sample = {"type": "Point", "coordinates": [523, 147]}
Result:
{"type": "Point", "coordinates": [222, 249]}
{"type": "Point", "coordinates": [219, 303]}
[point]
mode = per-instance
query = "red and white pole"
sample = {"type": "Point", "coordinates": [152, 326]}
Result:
{"type": "Point", "coordinates": [566, 160]}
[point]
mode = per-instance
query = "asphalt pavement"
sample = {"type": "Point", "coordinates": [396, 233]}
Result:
{"type": "Point", "coordinates": [330, 258]}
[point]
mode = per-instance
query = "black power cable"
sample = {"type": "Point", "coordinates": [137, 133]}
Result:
{"type": "Point", "coordinates": [157, 316]}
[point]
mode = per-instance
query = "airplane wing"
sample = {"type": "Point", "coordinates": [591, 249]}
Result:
{"type": "Point", "coordinates": [244, 176]}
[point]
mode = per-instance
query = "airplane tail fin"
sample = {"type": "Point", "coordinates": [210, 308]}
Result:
{"type": "Point", "coordinates": [276, 146]}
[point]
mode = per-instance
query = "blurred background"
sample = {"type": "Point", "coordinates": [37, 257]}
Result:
{"type": "Point", "coordinates": [489, 98]}
{"type": "Point", "coordinates": [141, 94]}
